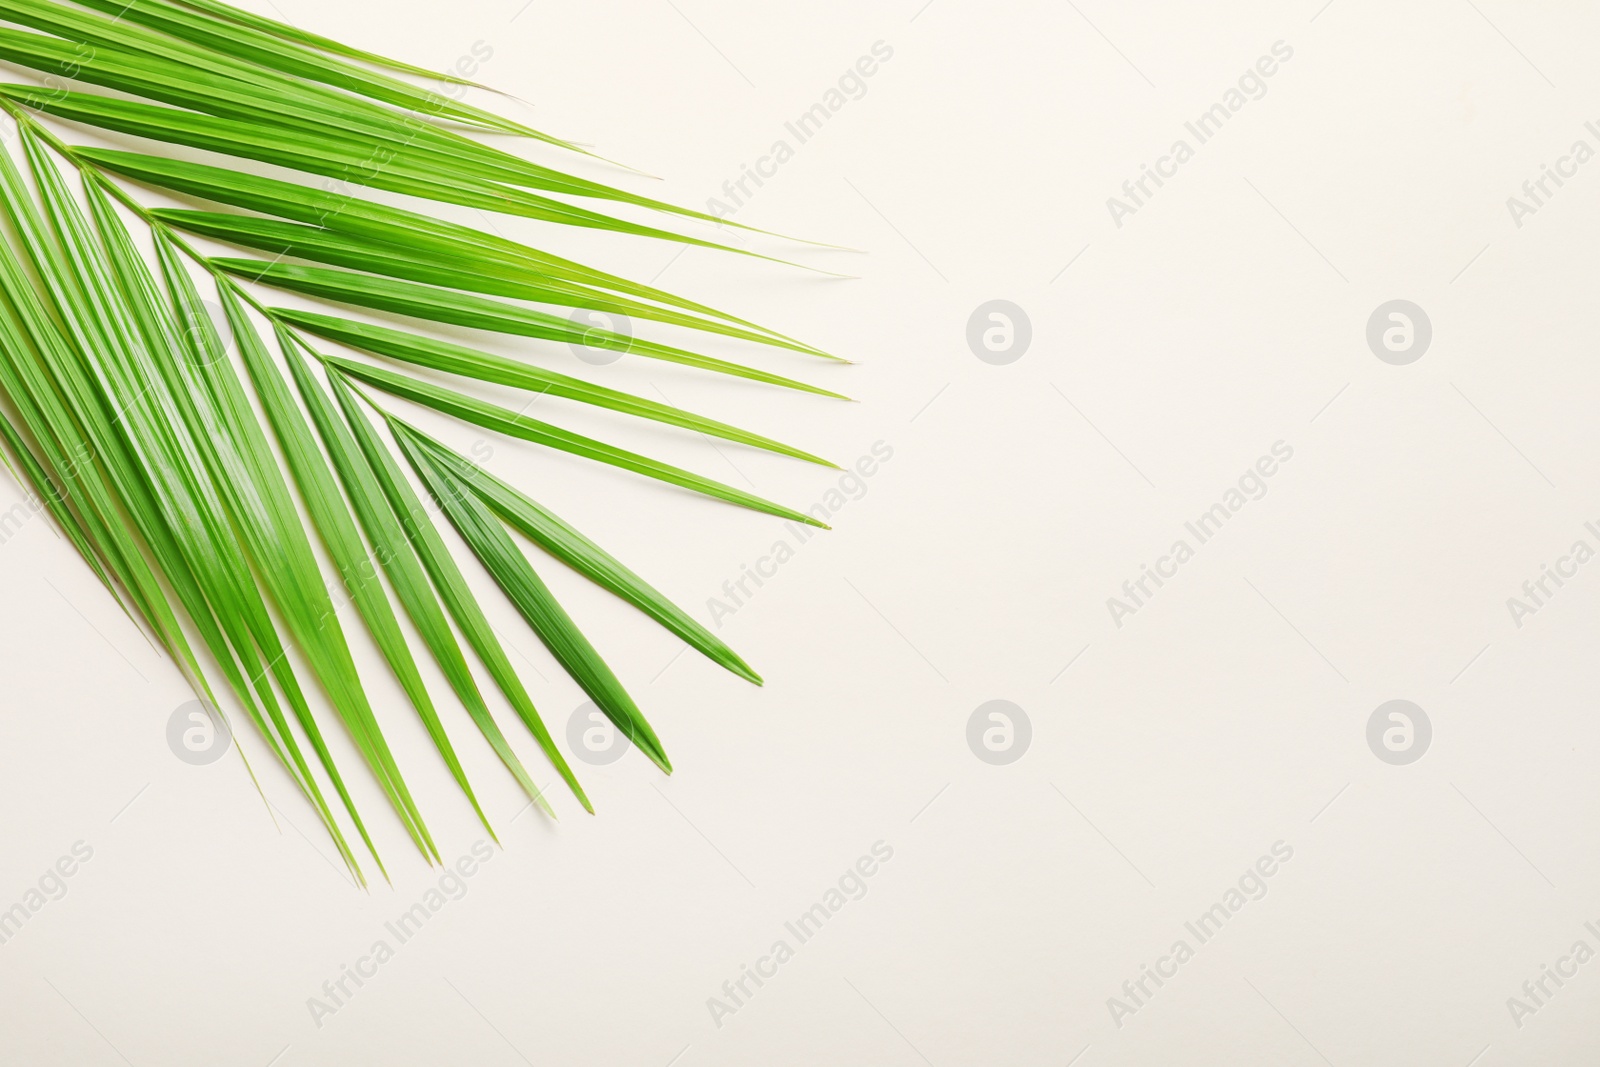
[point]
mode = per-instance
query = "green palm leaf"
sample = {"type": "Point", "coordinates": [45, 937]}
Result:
{"type": "Point", "coordinates": [193, 491]}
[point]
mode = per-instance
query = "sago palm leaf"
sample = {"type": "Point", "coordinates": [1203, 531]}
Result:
{"type": "Point", "coordinates": [131, 414]}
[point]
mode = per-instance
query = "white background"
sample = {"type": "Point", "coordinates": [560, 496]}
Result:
{"type": "Point", "coordinates": [1167, 755]}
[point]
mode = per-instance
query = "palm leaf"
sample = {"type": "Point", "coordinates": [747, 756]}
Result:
{"type": "Point", "coordinates": [125, 416]}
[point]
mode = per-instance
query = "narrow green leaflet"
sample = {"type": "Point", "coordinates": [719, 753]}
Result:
{"type": "Point", "coordinates": [565, 543]}
{"type": "Point", "coordinates": [488, 367]}
{"type": "Point", "coordinates": [339, 533]}
{"type": "Point", "coordinates": [511, 570]}
{"type": "Point", "coordinates": [45, 493]}
{"type": "Point", "coordinates": [452, 272]}
{"type": "Point", "coordinates": [328, 154]}
{"type": "Point", "coordinates": [463, 309]}
{"type": "Point", "coordinates": [125, 407]}
{"type": "Point", "coordinates": [312, 40]}
{"type": "Point", "coordinates": [399, 562]}
{"type": "Point", "coordinates": [332, 520]}
{"type": "Point", "coordinates": [348, 214]}
{"type": "Point", "coordinates": [252, 56]}
{"type": "Point", "coordinates": [267, 517]}
{"type": "Point", "coordinates": [492, 417]}
{"type": "Point", "coordinates": [275, 100]}
{"type": "Point", "coordinates": [46, 386]}
{"type": "Point", "coordinates": [74, 483]}
{"type": "Point", "coordinates": [286, 104]}
{"type": "Point", "coordinates": [448, 580]}
{"type": "Point", "coordinates": [170, 31]}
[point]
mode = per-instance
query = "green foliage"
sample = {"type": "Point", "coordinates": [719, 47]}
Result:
{"type": "Point", "coordinates": [124, 411]}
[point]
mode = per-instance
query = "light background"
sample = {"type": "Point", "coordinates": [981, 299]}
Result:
{"type": "Point", "coordinates": [1167, 755]}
